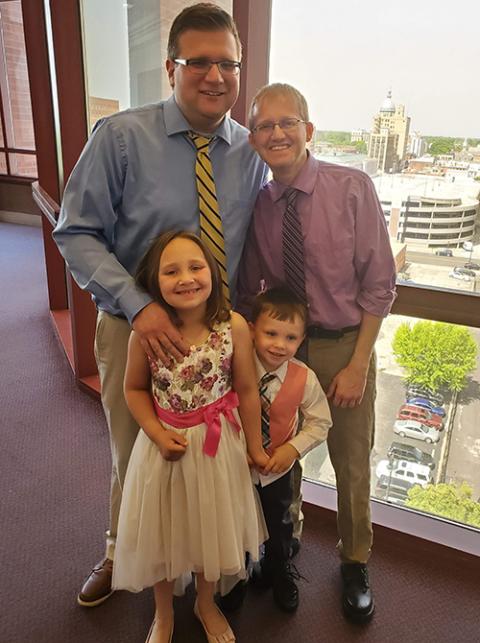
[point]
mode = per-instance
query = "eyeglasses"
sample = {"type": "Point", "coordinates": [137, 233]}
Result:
{"type": "Point", "coordinates": [201, 66]}
{"type": "Point", "coordinates": [286, 125]}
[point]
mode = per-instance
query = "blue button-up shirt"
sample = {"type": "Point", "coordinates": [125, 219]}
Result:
{"type": "Point", "coordinates": [136, 179]}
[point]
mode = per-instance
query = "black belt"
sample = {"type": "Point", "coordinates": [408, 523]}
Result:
{"type": "Point", "coordinates": [318, 332]}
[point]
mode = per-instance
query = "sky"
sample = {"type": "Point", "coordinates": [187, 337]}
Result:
{"type": "Point", "coordinates": [344, 56]}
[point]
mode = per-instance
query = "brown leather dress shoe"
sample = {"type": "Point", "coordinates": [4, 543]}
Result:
{"type": "Point", "coordinates": [98, 585]}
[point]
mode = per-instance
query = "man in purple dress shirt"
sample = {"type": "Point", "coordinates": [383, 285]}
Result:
{"type": "Point", "coordinates": [349, 275]}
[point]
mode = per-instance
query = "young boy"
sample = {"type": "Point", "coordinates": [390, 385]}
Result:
{"type": "Point", "coordinates": [319, 228]}
{"type": "Point", "coordinates": [286, 388]}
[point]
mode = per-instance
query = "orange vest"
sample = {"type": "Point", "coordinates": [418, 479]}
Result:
{"type": "Point", "coordinates": [284, 407]}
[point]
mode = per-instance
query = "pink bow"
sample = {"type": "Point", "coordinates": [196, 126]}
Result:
{"type": "Point", "coordinates": [209, 414]}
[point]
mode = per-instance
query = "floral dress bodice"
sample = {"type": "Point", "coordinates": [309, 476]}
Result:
{"type": "Point", "coordinates": [201, 378]}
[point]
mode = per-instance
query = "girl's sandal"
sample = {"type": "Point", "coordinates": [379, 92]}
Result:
{"type": "Point", "coordinates": [150, 632]}
{"type": "Point", "coordinates": [226, 637]}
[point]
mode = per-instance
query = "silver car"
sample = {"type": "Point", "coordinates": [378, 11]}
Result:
{"type": "Point", "coordinates": [416, 430]}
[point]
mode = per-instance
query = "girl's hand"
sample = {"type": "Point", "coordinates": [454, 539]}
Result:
{"type": "Point", "coordinates": [260, 460]}
{"type": "Point", "coordinates": [171, 445]}
{"type": "Point", "coordinates": [282, 459]}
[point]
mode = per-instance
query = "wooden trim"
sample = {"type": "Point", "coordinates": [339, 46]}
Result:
{"type": "Point", "coordinates": [47, 205]}
{"type": "Point", "coordinates": [253, 19]}
{"type": "Point", "coordinates": [41, 96]}
{"type": "Point", "coordinates": [438, 304]}
{"type": "Point", "coordinates": [17, 150]}
{"type": "Point", "coordinates": [67, 38]}
{"type": "Point", "coordinates": [13, 178]}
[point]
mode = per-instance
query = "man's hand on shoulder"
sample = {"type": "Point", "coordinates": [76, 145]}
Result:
{"type": "Point", "coordinates": [348, 386]}
{"type": "Point", "coordinates": [159, 337]}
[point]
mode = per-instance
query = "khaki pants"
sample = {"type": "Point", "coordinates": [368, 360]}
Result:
{"type": "Point", "coordinates": [111, 342]}
{"type": "Point", "coordinates": [349, 444]}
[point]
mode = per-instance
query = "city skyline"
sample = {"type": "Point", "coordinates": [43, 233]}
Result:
{"type": "Point", "coordinates": [424, 53]}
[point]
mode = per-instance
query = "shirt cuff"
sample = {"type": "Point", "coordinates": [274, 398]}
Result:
{"type": "Point", "coordinates": [132, 301]}
{"type": "Point", "coordinates": [380, 307]}
{"type": "Point", "coordinates": [303, 443]}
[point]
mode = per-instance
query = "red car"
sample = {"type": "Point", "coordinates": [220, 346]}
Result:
{"type": "Point", "coordinates": [410, 412]}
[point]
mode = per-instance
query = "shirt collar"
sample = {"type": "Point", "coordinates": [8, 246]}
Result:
{"type": "Point", "coordinates": [304, 181]}
{"type": "Point", "coordinates": [176, 123]}
{"type": "Point", "coordinates": [280, 372]}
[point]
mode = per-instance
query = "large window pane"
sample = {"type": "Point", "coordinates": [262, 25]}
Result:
{"type": "Point", "coordinates": [427, 443]}
{"type": "Point", "coordinates": [405, 114]}
{"type": "Point", "coordinates": [23, 165]}
{"type": "Point", "coordinates": [14, 79]}
{"type": "Point", "coordinates": [130, 39]}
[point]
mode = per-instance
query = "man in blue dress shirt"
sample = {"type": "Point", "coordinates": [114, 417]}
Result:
{"type": "Point", "coordinates": [135, 179]}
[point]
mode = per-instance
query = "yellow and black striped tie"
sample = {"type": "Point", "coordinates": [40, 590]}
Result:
{"type": "Point", "coordinates": [211, 229]}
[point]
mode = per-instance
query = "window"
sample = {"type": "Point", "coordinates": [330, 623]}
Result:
{"type": "Point", "coordinates": [17, 142]}
{"type": "Point", "coordinates": [348, 93]}
{"type": "Point", "coordinates": [455, 458]}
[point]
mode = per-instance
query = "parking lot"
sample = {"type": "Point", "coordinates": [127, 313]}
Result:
{"type": "Point", "coordinates": [427, 268]}
{"type": "Point", "coordinates": [463, 463]}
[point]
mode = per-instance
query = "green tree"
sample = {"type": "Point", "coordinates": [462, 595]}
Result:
{"type": "Point", "coordinates": [447, 500]}
{"type": "Point", "coordinates": [361, 147]}
{"type": "Point", "coordinates": [334, 137]}
{"type": "Point", "coordinates": [435, 354]}
{"type": "Point", "coordinates": [440, 145]}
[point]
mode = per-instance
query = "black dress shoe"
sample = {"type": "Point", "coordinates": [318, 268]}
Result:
{"type": "Point", "coordinates": [285, 590]}
{"type": "Point", "coordinates": [261, 575]}
{"type": "Point", "coordinates": [234, 599]}
{"type": "Point", "coordinates": [294, 547]}
{"type": "Point", "coordinates": [357, 599]}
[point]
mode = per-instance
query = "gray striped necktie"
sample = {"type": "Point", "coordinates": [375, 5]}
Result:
{"type": "Point", "coordinates": [293, 247]}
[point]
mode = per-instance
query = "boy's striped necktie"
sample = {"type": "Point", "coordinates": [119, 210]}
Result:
{"type": "Point", "coordinates": [266, 404]}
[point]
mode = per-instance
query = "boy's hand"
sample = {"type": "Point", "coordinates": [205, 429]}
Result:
{"type": "Point", "coordinates": [282, 459]}
{"type": "Point", "coordinates": [171, 445]}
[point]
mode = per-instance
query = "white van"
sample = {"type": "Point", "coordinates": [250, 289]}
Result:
{"type": "Point", "coordinates": [468, 246]}
{"type": "Point", "coordinates": [411, 472]}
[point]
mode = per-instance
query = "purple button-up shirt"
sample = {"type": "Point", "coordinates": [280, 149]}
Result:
{"type": "Point", "coordinates": [349, 266]}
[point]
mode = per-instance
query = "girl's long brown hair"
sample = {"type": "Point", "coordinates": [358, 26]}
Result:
{"type": "Point", "coordinates": [146, 277]}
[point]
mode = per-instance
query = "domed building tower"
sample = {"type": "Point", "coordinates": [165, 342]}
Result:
{"type": "Point", "coordinates": [389, 136]}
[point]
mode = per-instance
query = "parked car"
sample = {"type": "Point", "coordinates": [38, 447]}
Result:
{"type": "Point", "coordinates": [421, 414]}
{"type": "Point", "coordinates": [416, 430]}
{"type": "Point", "coordinates": [423, 403]}
{"type": "Point", "coordinates": [464, 274]}
{"type": "Point", "coordinates": [396, 487]}
{"type": "Point", "coordinates": [415, 390]}
{"type": "Point", "coordinates": [468, 246]}
{"type": "Point", "coordinates": [410, 453]}
{"type": "Point", "coordinates": [471, 265]}
{"type": "Point", "coordinates": [404, 470]}
{"type": "Point", "coordinates": [444, 252]}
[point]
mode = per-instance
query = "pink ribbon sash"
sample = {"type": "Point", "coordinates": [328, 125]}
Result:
{"type": "Point", "coordinates": [210, 414]}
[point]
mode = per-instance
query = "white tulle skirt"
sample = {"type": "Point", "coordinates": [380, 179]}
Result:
{"type": "Point", "coordinates": [198, 514]}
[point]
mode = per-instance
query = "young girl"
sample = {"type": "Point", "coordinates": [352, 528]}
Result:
{"type": "Point", "coordinates": [188, 501]}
